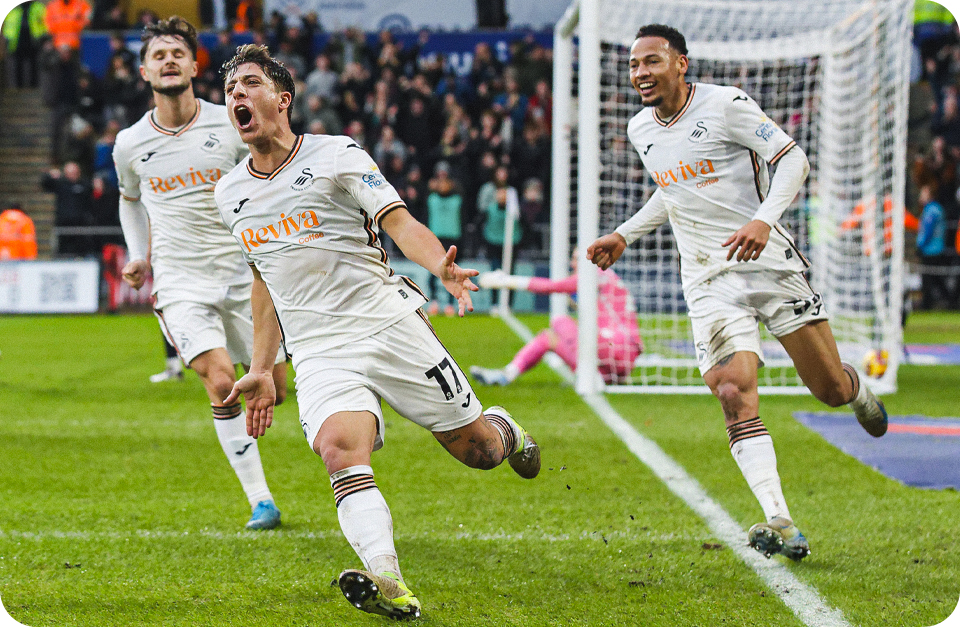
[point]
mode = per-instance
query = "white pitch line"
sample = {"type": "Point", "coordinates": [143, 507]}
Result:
{"type": "Point", "coordinates": [335, 534]}
{"type": "Point", "coordinates": [803, 600]}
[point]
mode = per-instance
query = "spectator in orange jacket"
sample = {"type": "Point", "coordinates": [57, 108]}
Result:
{"type": "Point", "coordinates": [65, 20]}
{"type": "Point", "coordinates": [18, 238]}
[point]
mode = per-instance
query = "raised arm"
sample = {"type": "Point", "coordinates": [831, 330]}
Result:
{"type": "Point", "coordinates": [420, 245]}
{"type": "Point", "coordinates": [257, 385]}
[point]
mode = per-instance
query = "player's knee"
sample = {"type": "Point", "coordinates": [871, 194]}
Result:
{"type": "Point", "coordinates": [334, 453]}
{"type": "Point", "coordinates": [482, 456]}
{"type": "Point", "coordinates": [728, 394]}
{"type": "Point", "coordinates": [281, 395]}
{"type": "Point", "coordinates": [221, 383]}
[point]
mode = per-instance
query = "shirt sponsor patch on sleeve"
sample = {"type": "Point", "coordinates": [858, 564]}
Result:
{"type": "Point", "coordinates": [766, 130]}
{"type": "Point", "coordinates": [374, 178]}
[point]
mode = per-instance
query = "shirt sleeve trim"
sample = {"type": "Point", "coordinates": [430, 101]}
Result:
{"type": "Point", "coordinates": [386, 210]}
{"type": "Point", "coordinates": [785, 150]}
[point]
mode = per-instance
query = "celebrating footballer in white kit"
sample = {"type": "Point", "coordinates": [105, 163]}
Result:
{"type": "Point", "coordinates": [168, 164]}
{"type": "Point", "coordinates": [708, 148]}
{"type": "Point", "coordinates": [307, 212]}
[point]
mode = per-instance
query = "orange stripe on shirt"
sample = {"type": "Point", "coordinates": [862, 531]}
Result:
{"type": "Point", "coordinates": [269, 176]}
{"type": "Point", "coordinates": [683, 109]}
{"type": "Point", "coordinates": [383, 212]}
{"type": "Point", "coordinates": [174, 133]}
{"type": "Point", "coordinates": [785, 150]}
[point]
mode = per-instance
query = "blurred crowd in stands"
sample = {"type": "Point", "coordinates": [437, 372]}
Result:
{"type": "Point", "coordinates": [934, 155]}
{"type": "Point", "coordinates": [460, 149]}
{"type": "Point", "coordinates": [449, 143]}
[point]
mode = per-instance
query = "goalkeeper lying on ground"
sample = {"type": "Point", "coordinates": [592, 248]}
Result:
{"type": "Point", "coordinates": [618, 337]}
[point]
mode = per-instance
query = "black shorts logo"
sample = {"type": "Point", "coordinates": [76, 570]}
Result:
{"type": "Point", "coordinates": [804, 305]}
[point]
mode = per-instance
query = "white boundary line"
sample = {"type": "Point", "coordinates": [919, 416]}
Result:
{"type": "Point", "coordinates": [284, 535]}
{"type": "Point", "coordinates": [803, 600]}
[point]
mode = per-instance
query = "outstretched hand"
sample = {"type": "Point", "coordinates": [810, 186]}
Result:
{"type": "Point", "coordinates": [261, 395]}
{"type": "Point", "coordinates": [606, 250]}
{"type": "Point", "coordinates": [457, 280]}
{"type": "Point", "coordinates": [750, 239]}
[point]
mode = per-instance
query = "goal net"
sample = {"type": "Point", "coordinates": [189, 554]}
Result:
{"type": "Point", "coordinates": [833, 74]}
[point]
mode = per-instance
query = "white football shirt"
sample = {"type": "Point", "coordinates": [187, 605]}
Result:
{"type": "Point", "coordinates": [710, 164]}
{"type": "Point", "coordinates": [311, 228]}
{"type": "Point", "coordinates": [173, 173]}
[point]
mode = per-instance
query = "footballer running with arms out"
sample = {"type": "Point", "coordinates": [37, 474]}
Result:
{"type": "Point", "coordinates": [167, 164]}
{"type": "Point", "coordinates": [307, 211]}
{"type": "Point", "coordinates": [707, 148]}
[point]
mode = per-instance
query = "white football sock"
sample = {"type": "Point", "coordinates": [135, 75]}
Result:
{"type": "Point", "coordinates": [752, 449]}
{"type": "Point", "coordinates": [861, 395]}
{"type": "Point", "coordinates": [365, 519]}
{"type": "Point", "coordinates": [242, 451]}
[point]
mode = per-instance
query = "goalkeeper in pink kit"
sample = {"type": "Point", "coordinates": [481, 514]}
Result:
{"type": "Point", "coordinates": [618, 336]}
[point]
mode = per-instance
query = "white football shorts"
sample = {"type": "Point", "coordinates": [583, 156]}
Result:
{"type": "Point", "coordinates": [195, 327]}
{"type": "Point", "coordinates": [405, 365]}
{"type": "Point", "coordinates": [725, 310]}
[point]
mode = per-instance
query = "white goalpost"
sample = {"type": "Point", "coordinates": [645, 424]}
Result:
{"type": "Point", "coordinates": [833, 74]}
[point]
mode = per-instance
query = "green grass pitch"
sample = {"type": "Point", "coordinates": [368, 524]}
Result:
{"type": "Point", "coordinates": [119, 508]}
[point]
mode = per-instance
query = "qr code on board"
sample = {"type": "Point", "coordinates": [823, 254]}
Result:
{"type": "Point", "coordinates": [58, 287]}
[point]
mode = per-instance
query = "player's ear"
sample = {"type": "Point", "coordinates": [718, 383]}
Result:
{"type": "Point", "coordinates": [682, 63]}
{"type": "Point", "coordinates": [285, 100]}
{"type": "Point", "coordinates": [143, 73]}
{"type": "Point", "coordinates": [194, 69]}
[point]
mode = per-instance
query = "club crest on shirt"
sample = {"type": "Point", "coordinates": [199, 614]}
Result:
{"type": "Point", "coordinates": [212, 143]}
{"type": "Point", "coordinates": [699, 133]}
{"type": "Point", "coordinates": [303, 181]}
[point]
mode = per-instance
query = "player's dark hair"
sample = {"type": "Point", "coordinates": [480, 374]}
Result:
{"type": "Point", "coordinates": [176, 26]}
{"type": "Point", "coordinates": [671, 34]}
{"type": "Point", "coordinates": [260, 56]}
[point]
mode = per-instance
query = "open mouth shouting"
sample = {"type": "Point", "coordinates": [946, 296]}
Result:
{"type": "Point", "coordinates": [244, 117]}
